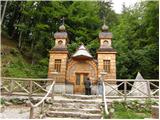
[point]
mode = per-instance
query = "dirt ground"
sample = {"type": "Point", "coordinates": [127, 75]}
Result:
{"type": "Point", "coordinates": [15, 112]}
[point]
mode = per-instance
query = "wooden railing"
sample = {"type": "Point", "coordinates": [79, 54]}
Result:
{"type": "Point", "coordinates": [123, 88]}
{"type": "Point", "coordinates": [29, 87]}
{"type": "Point", "coordinates": [51, 90]}
{"type": "Point", "coordinates": [24, 86]}
{"type": "Point", "coordinates": [104, 99]}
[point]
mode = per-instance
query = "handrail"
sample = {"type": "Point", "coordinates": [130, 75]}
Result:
{"type": "Point", "coordinates": [40, 102]}
{"type": "Point", "coordinates": [104, 99]}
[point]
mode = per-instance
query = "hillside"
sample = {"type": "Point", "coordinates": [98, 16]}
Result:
{"type": "Point", "coordinates": [14, 64]}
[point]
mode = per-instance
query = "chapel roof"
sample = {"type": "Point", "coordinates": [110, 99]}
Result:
{"type": "Point", "coordinates": [82, 53]}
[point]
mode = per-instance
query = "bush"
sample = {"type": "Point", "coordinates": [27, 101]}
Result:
{"type": "Point", "coordinates": [2, 101]}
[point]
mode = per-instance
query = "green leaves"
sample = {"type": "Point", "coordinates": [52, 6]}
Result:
{"type": "Point", "coordinates": [135, 31]}
{"type": "Point", "coordinates": [135, 39]}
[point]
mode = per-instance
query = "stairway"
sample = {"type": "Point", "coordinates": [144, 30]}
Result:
{"type": "Point", "coordinates": [75, 106]}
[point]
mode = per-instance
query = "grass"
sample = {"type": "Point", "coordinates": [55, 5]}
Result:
{"type": "Point", "coordinates": [130, 110]}
{"type": "Point", "coordinates": [122, 112]}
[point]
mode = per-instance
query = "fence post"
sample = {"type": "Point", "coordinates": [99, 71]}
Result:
{"type": "Point", "coordinates": [52, 94]}
{"type": "Point", "coordinates": [31, 113]}
{"type": "Point", "coordinates": [149, 90]}
{"type": "Point", "coordinates": [42, 105]}
{"type": "Point", "coordinates": [30, 88]}
{"type": "Point", "coordinates": [125, 90]}
{"type": "Point", "coordinates": [11, 87]}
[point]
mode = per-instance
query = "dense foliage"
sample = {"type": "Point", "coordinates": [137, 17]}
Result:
{"type": "Point", "coordinates": [32, 25]}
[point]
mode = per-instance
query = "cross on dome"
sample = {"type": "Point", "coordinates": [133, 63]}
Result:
{"type": "Point", "coordinates": [104, 27]}
{"type": "Point", "coordinates": [62, 27]}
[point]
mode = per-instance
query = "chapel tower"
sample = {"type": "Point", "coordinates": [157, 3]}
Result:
{"type": "Point", "coordinates": [106, 55]}
{"type": "Point", "coordinates": [59, 56]}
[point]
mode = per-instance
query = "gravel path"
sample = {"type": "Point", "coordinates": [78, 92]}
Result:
{"type": "Point", "coordinates": [15, 111]}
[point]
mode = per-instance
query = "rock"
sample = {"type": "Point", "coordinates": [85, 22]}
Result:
{"type": "Point", "coordinates": [111, 110]}
{"type": "Point", "coordinates": [28, 103]}
{"type": "Point", "coordinates": [8, 103]}
{"type": "Point", "coordinates": [155, 112]}
{"type": "Point", "coordinates": [2, 108]}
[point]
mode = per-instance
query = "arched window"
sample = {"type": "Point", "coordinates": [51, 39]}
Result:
{"type": "Point", "coordinates": [60, 42]}
{"type": "Point", "coordinates": [106, 43]}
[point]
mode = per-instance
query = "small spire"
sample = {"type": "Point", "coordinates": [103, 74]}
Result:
{"type": "Point", "coordinates": [63, 20]}
{"type": "Point", "coordinates": [62, 27]}
{"type": "Point", "coordinates": [104, 27]}
{"type": "Point", "coordinates": [104, 20]}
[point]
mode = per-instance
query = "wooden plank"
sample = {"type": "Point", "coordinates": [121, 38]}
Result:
{"type": "Point", "coordinates": [134, 89]}
{"type": "Point", "coordinates": [149, 90]}
{"type": "Point", "coordinates": [154, 92]}
{"type": "Point", "coordinates": [125, 92]}
{"type": "Point", "coordinates": [154, 85]}
{"type": "Point", "coordinates": [104, 99]}
{"type": "Point", "coordinates": [52, 94]}
{"type": "Point", "coordinates": [5, 89]}
{"type": "Point", "coordinates": [131, 97]}
{"type": "Point", "coordinates": [31, 113]}
{"type": "Point", "coordinates": [40, 86]}
{"type": "Point", "coordinates": [130, 80]}
{"type": "Point", "coordinates": [30, 89]}
{"type": "Point", "coordinates": [137, 89]}
{"type": "Point", "coordinates": [22, 87]}
{"type": "Point", "coordinates": [11, 87]}
{"type": "Point", "coordinates": [116, 87]}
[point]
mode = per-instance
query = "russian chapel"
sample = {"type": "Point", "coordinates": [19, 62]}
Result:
{"type": "Point", "coordinates": [73, 70]}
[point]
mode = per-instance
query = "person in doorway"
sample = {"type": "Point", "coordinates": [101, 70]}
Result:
{"type": "Point", "coordinates": [100, 86]}
{"type": "Point", "coordinates": [87, 84]}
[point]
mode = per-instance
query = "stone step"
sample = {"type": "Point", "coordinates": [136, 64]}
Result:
{"type": "Point", "coordinates": [76, 105]}
{"type": "Point", "coordinates": [74, 114]}
{"type": "Point", "coordinates": [76, 96]}
{"type": "Point", "coordinates": [93, 111]}
{"type": "Point", "coordinates": [77, 101]}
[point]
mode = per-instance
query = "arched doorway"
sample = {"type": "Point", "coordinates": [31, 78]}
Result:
{"type": "Point", "coordinates": [78, 71]}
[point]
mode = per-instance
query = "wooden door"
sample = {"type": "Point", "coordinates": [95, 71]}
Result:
{"type": "Point", "coordinates": [79, 83]}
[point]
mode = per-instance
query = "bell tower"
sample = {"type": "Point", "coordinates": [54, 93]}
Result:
{"type": "Point", "coordinates": [106, 55]}
{"type": "Point", "coordinates": [59, 56]}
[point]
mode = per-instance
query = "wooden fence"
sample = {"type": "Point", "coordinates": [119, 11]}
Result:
{"type": "Point", "coordinates": [125, 88]}
{"type": "Point", "coordinates": [29, 87]}
{"type": "Point", "coordinates": [24, 86]}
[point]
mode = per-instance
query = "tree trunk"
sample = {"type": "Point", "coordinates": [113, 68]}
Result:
{"type": "Point", "coordinates": [20, 40]}
{"type": "Point", "coordinates": [32, 47]}
{"type": "Point", "coordinates": [4, 10]}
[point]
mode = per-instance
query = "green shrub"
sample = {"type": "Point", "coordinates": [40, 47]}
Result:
{"type": "Point", "coordinates": [131, 109]}
{"type": "Point", "coordinates": [2, 101]}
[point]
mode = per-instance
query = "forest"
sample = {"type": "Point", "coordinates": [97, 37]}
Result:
{"type": "Point", "coordinates": [30, 25]}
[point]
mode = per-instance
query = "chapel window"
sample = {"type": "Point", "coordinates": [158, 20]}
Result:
{"type": "Point", "coordinates": [57, 65]}
{"type": "Point", "coordinates": [106, 65]}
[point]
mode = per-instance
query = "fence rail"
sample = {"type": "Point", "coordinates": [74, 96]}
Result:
{"type": "Point", "coordinates": [24, 86]}
{"type": "Point", "coordinates": [130, 88]}
{"type": "Point", "coordinates": [51, 90]}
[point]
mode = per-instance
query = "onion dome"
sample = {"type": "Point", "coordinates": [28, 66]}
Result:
{"type": "Point", "coordinates": [105, 27]}
{"type": "Point", "coordinates": [62, 28]}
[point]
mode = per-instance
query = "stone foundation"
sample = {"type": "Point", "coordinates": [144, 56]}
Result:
{"type": "Point", "coordinates": [69, 88]}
